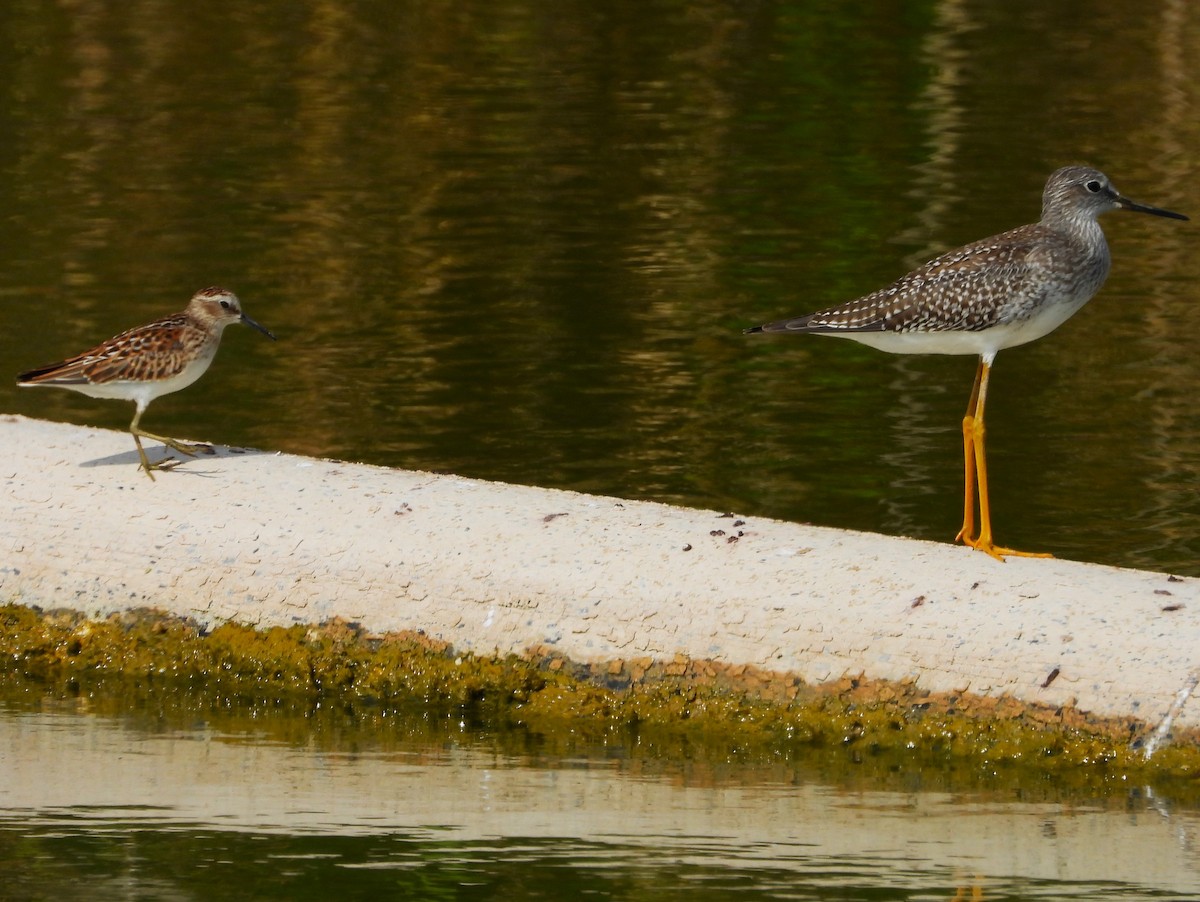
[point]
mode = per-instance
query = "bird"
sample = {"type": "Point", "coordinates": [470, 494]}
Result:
{"type": "Point", "coordinates": [149, 361]}
{"type": "Point", "coordinates": [984, 297]}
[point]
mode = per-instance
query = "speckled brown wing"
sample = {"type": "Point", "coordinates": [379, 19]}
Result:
{"type": "Point", "coordinates": [970, 289]}
{"type": "Point", "coordinates": [153, 351]}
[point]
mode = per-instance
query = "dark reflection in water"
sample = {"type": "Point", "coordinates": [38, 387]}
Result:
{"type": "Point", "coordinates": [519, 241]}
{"type": "Point", "coordinates": [131, 861]}
{"type": "Point", "coordinates": [150, 790]}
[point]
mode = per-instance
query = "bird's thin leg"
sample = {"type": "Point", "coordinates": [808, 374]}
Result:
{"type": "Point", "coordinates": [142, 454]}
{"type": "Point", "coordinates": [967, 533]}
{"type": "Point", "coordinates": [983, 542]}
{"type": "Point", "coordinates": [166, 463]}
{"type": "Point", "coordinates": [191, 449]}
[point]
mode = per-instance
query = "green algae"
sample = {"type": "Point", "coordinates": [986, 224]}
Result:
{"type": "Point", "coordinates": [336, 684]}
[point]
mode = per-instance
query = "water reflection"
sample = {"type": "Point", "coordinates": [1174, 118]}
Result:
{"type": "Point", "coordinates": [161, 809]}
{"type": "Point", "coordinates": [520, 242]}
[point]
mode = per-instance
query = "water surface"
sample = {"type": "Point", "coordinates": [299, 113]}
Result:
{"type": "Point", "coordinates": [142, 807]}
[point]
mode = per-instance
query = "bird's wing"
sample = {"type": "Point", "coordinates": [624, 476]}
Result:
{"type": "Point", "coordinates": [150, 351]}
{"type": "Point", "coordinates": [969, 289]}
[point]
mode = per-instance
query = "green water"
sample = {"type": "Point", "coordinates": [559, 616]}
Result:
{"type": "Point", "coordinates": [519, 241]}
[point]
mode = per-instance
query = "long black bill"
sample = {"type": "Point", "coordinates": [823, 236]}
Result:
{"type": "Point", "coordinates": [263, 329]}
{"type": "Point", "coordinates": [1128, 204]}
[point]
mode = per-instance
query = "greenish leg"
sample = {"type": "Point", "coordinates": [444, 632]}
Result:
{"type": "Point", "coordinates": [167, 463]}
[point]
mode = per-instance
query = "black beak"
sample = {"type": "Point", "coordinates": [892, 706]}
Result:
{"type": "Point", "coordinates": [1127, 204]}
{"type": "Point", "coordinates": [263, 329]}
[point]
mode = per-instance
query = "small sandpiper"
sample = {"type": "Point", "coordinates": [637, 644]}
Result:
{"type": "Point", "coordinates": [979, 299]}
{"type": "Point", "coordinates": [141, 364]}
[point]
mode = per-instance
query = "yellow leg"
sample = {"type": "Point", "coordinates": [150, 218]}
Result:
{"type": "Point", "coordinates": [967, 533]}
{"type": "Point", "coordinates": [166, 463]}
{"type": "Point", "coordinates": [975, 468]}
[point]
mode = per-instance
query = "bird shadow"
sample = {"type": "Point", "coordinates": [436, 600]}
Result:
{"type": "Point", "coordinates": [155, 452]}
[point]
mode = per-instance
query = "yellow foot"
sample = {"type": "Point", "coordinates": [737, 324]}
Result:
{"type": "Point", "coordinates": [999, 552]}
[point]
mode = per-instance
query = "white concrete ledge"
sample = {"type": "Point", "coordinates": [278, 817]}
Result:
{"type": "Point", "coordinates": [276, 539]}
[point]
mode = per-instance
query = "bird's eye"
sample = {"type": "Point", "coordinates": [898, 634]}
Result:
{"type": "Point", "coordinates": [224, 305]}
{"type": "Point", "coordinates": [1093, 186]}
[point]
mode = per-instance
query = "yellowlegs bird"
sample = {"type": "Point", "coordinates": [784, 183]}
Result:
{"type": "Point", "coordinates": [996, 293]}
{"type": "Point", "coordinates": [141, 364]}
